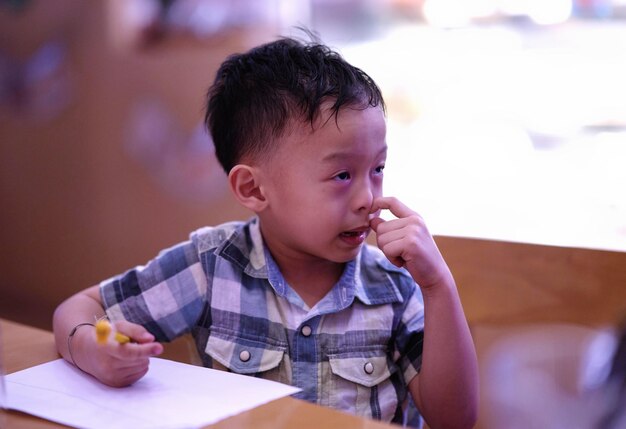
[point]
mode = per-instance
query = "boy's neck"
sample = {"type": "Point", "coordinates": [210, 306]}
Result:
{"type": "Point", "coordinates": [312, 283]}
{"type": "Point", "coordinates": [311, 279]}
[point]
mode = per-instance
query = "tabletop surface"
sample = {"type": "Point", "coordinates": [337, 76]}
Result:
{"type": "Point", "coordinates": [24, 346]}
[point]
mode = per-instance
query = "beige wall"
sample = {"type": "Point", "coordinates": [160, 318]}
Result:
{"type": "Point", "coordinates": [75, 207]}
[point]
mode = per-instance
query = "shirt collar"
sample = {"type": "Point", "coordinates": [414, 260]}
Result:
{"type": "Point", "coordinates": [366, 278]}
{"type": "Point", "coordinates": [373, 284]}
{"type": "Point", "coordinates": [244, 248]}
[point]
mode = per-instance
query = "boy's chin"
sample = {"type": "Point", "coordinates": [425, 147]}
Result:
{"type": "Point", "coordinates": [347, 256]}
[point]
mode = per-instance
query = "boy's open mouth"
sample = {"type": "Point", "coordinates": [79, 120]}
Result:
{"type": "Point", "coordinates": [355, 236]}
{"type": "Point", "coordinates": [356, 232]}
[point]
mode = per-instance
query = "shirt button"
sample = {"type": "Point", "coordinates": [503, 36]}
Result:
{"type": "Point", "coordinates": [368, 368]}
{"type": "Point", "coordinates": [244, 356]}
{"type": "Point", "coordinates": [306, 330]}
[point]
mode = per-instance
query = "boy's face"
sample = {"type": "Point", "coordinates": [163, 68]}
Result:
{"type": "Point", "coordinates": [320, 186]}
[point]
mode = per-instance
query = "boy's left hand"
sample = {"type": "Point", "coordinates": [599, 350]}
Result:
{"type": "Point", "coordinates": [407, 243]}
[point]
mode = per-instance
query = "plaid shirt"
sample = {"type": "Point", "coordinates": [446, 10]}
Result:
{"type": "Point", "coordinates": [356, 350]}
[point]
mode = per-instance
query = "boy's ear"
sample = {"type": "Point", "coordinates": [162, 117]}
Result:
{"type": "Point", "coordinates": [245, 184]}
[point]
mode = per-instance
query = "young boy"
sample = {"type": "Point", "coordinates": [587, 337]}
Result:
{"type": "Point", "coordinates": [295, 294]}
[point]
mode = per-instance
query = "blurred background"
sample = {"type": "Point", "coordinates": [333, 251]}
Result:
{"type": "Point", "coordinates": [506, 122]}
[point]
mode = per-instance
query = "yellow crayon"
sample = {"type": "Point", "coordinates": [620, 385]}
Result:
{"type": "Point", "coordinates": [103, 329]}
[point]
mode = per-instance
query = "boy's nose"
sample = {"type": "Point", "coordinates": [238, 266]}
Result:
{"type": "Point", "coordinates": [364, 198]}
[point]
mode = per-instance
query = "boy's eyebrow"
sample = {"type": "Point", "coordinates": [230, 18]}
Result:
{"type": "Point", "coordinates": [340, 156]}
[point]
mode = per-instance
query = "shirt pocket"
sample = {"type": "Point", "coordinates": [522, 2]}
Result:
{"type": "Point", "coordinates": [242, 355]}
{"type": "Point", "coordinates": [362, 384]}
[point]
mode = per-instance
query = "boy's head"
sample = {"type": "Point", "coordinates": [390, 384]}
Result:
{"type": "Point", "coordinates": [259, 95]}
{"type": "Point", "coordinates": [301, 134]}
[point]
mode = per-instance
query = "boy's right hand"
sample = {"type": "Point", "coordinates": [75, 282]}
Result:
{"type": "Point", "coordinates": [112, 363]}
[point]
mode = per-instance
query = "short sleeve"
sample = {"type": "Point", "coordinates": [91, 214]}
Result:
{"type": "Point", "coordinates": [410, 335]}
{"type": "Point", "coordinates": [166, 296]}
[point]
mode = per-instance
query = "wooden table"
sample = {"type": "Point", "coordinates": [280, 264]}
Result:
{"type": "Point", "coordinates": [24, 346]}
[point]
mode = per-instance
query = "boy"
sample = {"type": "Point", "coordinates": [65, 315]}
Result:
{"type": "Point", "coordinates": [295, 294]}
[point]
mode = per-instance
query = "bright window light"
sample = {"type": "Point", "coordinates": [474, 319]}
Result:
{"type": "Point", "coordinates": [550, 12]}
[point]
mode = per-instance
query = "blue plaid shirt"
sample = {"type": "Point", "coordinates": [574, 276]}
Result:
{"type": "Point", "coordinates": [356, 350]}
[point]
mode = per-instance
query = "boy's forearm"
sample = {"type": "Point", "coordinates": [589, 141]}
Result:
{"type": "Point", "coordinates": [84, 307]}
{"type": "Point", "coordinates": [448, 380]}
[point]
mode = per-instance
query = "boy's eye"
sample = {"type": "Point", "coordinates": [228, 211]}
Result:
{"type": "Point", "coordinates": [380, 169]}
{"type": "Point", "coordinates": [343, 176]}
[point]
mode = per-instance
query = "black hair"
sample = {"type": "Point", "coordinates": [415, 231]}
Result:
{"type": "Point", "coordinates": [257, 95]}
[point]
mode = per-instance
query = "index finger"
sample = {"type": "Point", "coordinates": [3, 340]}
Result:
{"type": "Point", "coordinates": [394, 205]}
{"type": "Point", "coordinates": [136, 332]}
{"type": "Point", "coordinates": [137, 350]}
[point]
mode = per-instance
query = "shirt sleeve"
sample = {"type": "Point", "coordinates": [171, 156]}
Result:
{"type": "Point", "coordinates": [166, 296]}
{"type": "Point", "coordinates": [410, 334]}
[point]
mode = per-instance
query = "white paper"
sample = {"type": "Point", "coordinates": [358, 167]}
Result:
{"type": "Point", "coordinates": [171, 395]}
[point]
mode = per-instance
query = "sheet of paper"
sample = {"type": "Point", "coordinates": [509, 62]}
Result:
{"type": "Point", "coordinates": [171, 395]}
